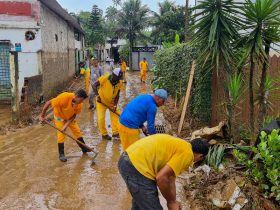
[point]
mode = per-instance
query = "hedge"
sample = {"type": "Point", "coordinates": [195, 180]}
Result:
{"type": "Point", "coordinates": [172, 69]}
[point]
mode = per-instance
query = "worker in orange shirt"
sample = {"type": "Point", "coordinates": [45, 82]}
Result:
{"type": "Point", "coordinates": [123, 67]}
{"type": "Point", "coordinates": [144, 66]}
{"type": "Point", "coordinates": [85, 71]}
{"type": "Point", "coordinates": [66, 107]}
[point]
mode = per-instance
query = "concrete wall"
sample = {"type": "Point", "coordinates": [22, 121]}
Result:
{"type": "Point", "coordinates": [138, 56]}
{"type": "Point", "coordinates": [58, 55]}
{"type": "Point", "coordinates": [28, 57]}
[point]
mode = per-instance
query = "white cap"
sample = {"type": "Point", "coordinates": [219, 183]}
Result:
{"type": "Point", "coordinates": [117, 72]}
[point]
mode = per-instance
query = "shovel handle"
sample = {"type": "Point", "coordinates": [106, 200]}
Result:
{"type": "Point", "coordinates": [71, 137]}
{"type": "Point", "coordinates": [109, 109]}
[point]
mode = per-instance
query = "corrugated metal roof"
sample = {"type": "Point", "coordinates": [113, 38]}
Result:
{"type": "Point", "coordinates": [57, 9]}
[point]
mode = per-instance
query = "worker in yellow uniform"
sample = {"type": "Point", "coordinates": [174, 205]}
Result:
{"type": "Point", "coordinates": [154, 162]}
{"type": "Point", "coordinates": [141, 109]}
{"type": "Point", "coordinates": [144, 66]}
{"type": "Point", "coordinates": [66, 107]}
{"type": "Point", "coordinates": [85, 71]}
{"type": "Point", "coordinates": [108, 97]}
{"type": "Point", "coordinates": [123, 67]}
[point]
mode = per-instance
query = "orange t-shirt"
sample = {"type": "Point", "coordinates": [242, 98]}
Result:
{"type": "Point", "coordinates": [144, 65]}
{"type": "Point", "coordinates": [63, 107]}
{"type": "Point", "coordinates": [123, 66]}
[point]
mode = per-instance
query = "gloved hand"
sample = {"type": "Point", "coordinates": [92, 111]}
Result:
{"type": "Point", "coordinates": [114, 109]}
{"type": "Point", "coordinates": [145, 130]}
{"type": "Point", "coordinates": [99, 99]}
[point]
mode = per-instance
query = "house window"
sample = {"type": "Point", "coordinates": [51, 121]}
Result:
{"type": "Point", "coordinates": [56, 37]}
{"type": "Point", "coordinates": [77, 36]}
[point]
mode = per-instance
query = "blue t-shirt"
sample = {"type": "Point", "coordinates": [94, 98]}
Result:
{"type": "Point", "coordinates": [141, 109]}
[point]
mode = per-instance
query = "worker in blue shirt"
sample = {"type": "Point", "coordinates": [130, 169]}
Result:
{"type": "Point", "coordinates": [141, 109]}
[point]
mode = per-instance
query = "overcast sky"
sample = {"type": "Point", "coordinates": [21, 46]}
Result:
{"type": "Point", "coordinates": [85, 5]}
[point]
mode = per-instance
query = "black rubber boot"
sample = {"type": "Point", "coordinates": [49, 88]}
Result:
{"type": "Point", "coordinates": [116, 135]}
{"type": "Point", "coordinates": [61, 152]}
{"type": "Point", "coordinates": [84, 149]}
{"type": "Point", "coordinates": [107, 137]}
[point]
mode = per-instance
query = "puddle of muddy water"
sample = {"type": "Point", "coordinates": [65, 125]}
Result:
{"type": "Point", "coordinates": [32, 177]}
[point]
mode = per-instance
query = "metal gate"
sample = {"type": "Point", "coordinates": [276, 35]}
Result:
{"type": "Point", "coordinates": [138, 53]}
{"type": "Point", "coordinates": [5, 79]}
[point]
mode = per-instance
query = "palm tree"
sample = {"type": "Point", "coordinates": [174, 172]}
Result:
{"type": "Point", "coordinates": [132, 20]}
{"type": "Point", "coordinates": [187, 20]}
{"type": "Point", "coordinates": [168, 22]}
{"type": "Point", "coordinates": [216, 26]}
{"type": "Point", "coordinates": [271, 35]}
{"type": "Point", "coordinates": [261, 17]}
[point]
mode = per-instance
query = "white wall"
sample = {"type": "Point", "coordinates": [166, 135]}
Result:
{"type": "Point", "coordinates": [28, 66]}
{"type": "Point", "coordinates": [18, 36]}
{"type": "Point", "coordinates": [28, 58]}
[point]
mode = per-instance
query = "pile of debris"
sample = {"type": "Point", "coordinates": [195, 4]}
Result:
{"type": "Point", "coordinates": [207, 189]}
{"type": "Point", "coordinates": [228, 188]}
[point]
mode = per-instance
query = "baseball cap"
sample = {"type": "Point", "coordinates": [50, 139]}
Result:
{"type": "Point", "coordinates": [161, 93]}
{"type": "Point", "coordinates": [117, 72]}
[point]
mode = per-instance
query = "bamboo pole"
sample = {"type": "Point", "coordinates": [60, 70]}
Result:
{"type": "Point", "coordinates": [186, 101]}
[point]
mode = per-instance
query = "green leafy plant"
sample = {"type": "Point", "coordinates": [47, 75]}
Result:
{"type": "Point", "coordinates": [267, 120]}
{"type": "Point", "coordinates": [261, 18]}
{"type": "Point", "coordinates": [124, 52]}
{"type": "Point", "coordinates": [171, 44]}
{"type": "Point", "coordinates": [244, 133]}
{"type": "Point", "coordinates": [132, 20]}
{"type": "Point", "coordinates": [240, 156]}
{"type": "Point", "coordinates": [215, 156]}
{"type": "Point", "coordinates": [264, 168]}
{"type": "Point", "coordinates": [174, 64]}
{"type": "Point", "coordinates": [216, 24]}
{"type": "Point", "coordinates": [167, 22]}
{"type": "Point", "coordinates": [235, 89]}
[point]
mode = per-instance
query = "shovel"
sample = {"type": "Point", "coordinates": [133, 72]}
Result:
{"type": "Point", "coordinates": [116, 113]}
{"type": "Point", "coordinates": [109, 108]}
{"type": "Point", "coordinates": [79, 142]}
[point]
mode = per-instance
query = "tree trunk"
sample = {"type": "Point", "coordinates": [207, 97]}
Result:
{"type": "Point", "coordinates": [262, 90]}
{"type": "Point", "coordinates": [187, 21]}
{"type": "Point", "coordinates": [130, 54]}
{"type": "Point", "coordinates": [251, 93]}
{"type": "Point", "coordinates": [111, 49]}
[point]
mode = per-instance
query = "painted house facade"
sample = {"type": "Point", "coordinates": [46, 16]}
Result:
{"type": "Point", "coordinates": [43, 43]}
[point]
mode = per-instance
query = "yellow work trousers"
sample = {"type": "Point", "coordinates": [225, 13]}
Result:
{"type": "Point", "coordinates": [128, 135]}
{"type": "Point", "coordinates": [73, 127]}
{"type": "Point", "coordinates": [101, 115]}
{"type": "Point", "coordinates": [143, 75]}
{"type": "Point", "coordinates": [87, 81]}
{"type": "Point", "coordinates": [124, 76]}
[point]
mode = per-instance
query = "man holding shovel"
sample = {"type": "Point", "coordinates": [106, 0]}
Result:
{"type": "Point", "coordinates": [141, 109]}
{"type": "Point", "coordinates": [66, 107]}
{"type": "Point", "coordinates": [154, 162]}
{"type": "Point", "coordinates": [107, 89]}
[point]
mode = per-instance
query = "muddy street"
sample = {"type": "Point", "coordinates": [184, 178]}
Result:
{"type": "Point", "coordinates": [32, 177]}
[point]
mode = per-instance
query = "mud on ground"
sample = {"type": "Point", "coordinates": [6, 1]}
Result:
{"type": "Point", "coordinates": [30, 113]}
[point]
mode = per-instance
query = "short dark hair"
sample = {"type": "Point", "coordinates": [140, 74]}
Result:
{"type": "Point", "coordinates": [81, 93]}
{"type": "Point", "coordinates": [200, 146]}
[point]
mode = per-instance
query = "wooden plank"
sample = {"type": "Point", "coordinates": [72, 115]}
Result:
{"type": "Point", "coordinates": [188, 92]}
